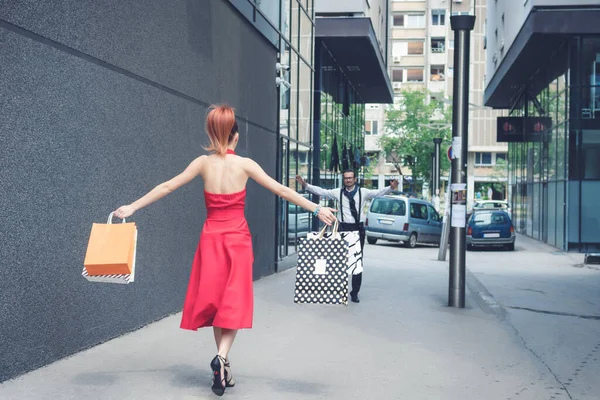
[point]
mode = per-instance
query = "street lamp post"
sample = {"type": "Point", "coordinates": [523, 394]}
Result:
{"type": "Point", "coordinates": [433, 175]}
{"type": "Point", "coordinates": [462, 25]}
{"type": "Point", "coordinates": [436, 176]}
{"type": "Point", "coordinates": [438, 126]}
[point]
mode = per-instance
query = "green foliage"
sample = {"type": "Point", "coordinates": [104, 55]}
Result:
{"type": "Point", "coordinates": [407, 142]}
{"type": "Point", "coordinates": [370, 170]}
{"type": "Point", "coordinates": [500, 170]}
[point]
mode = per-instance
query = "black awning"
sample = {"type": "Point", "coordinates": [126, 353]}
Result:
{"type": "Point", "coordinates": [353, 44]}
{"type": "Point", "coordinates": [536, 45]}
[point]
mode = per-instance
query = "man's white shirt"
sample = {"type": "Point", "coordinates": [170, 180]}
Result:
{"type": "Point", "coordinates": [334, 194]}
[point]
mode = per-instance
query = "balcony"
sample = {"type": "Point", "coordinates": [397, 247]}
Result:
{"type": "Point", "coordinates": [340, 7]}
{"type": "Point", "coordinates": [437, 58]}
{"type": "Point", "coordinates": [438, 30]}
{"type": "Point", "coordinates": [437, 86]}
{"type": "Point", "coordinates": [402, 33]}
{"type": "Point", "coordinates": [407, 5]}
{"type": "Point", "coordinates": [410, 61]}
{"type": "Point", "coordinates": [413, 85]}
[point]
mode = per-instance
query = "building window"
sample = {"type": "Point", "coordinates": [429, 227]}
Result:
{"type": "Point", "coordinates": [414, 75]}
{"type": "Point", "coordinates": [437, 73]}
{"type": "Point", "coordinates": [398, 75]}
{"type": "Point", "coordinates": [416, 48]}
{"type": "Point", "coordinates": [500, 156]}
{"type": "Point", "coordinates": [409, 21]}
{"type": "Point", "coordinates": [300, 156]}
{"type": "Point", "coordinates": [438, 17]}
{"type": "Point", "coordinates": [438, 45]}
{"type": "Point", "coordinates": [407, 75]}
{"type": "Point", "coordinates": [415, 21]}
{"type": "Point", "coordinates": [483, 158]}
{"type": "Point", "coordinates": [399, 20]}
{"type": "Point", "coordinates": [408, 48]}
{"type": "Point", "coordinates": [372, 127]}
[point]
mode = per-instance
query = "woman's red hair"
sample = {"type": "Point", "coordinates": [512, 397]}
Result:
{"type": "Point", "coordinates": [221, 127]}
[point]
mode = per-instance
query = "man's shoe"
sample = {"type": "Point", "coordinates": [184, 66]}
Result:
{"type": "Point", "coordinates": [354, 298]}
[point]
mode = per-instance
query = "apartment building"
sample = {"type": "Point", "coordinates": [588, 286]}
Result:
{"type": "Point", "coordinates": [422, 57]}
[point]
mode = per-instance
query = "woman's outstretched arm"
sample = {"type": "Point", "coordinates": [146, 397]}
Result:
{"type": "Point", "coordinates": [254, 171]}
{"type": "Point", "coordinates": [165, 188]}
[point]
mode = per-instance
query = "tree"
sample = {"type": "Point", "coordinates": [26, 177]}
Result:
{"type": "Point", "coordinates": [499, 174]}
{"type": "Point", "coordinates": [407, 142]}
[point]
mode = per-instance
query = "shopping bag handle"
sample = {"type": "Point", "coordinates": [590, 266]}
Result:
{"type": "Point", "coordinates": [334, 230]}
{"type": "Point", "coordinates": [110, 217]}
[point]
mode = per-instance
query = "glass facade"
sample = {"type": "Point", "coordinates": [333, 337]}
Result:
{"type": "Point", "coordinates": [584, 145]}
{"type": "Point", "coordinates": [289, 26]}
{"type": "Point", "coordinates": [555, 179]}
{"type": "Point", "coordinates": [295, 116]}
{"type": "Point", "coordinates": [341, 123]}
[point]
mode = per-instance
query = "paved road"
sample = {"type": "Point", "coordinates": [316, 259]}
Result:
{"type": "Point", "coordinates": [400, 342]}
{"type": "Point", "coordinates": [553, 302]}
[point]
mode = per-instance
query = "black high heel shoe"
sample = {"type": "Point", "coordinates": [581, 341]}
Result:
{"type": "Point", "coordinates": [219, 380]}
{"type": "Point", "coordinates": [229, 381]}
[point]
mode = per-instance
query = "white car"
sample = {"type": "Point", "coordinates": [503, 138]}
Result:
{"type": "Point", "coordinates": [492, 205]}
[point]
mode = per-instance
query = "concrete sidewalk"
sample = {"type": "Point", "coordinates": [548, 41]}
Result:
{"type": "Point", "coordinates": [400, 342]}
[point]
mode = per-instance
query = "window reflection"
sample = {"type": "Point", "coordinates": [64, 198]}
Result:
{"type": "Point", "coordinates": [295, 120]}
{"type": "Point", "coordinates": [537, 168]}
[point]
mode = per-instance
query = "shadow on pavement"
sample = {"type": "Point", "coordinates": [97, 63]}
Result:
{"type": "Point", "coordinates": [187, 376]}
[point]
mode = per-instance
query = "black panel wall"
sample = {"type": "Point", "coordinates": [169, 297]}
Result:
{"type": "Point", "coordinates": [99, 102]}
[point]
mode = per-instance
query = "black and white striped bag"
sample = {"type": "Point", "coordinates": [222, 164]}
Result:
{"type": "Point", "coordinates": [355, 256]}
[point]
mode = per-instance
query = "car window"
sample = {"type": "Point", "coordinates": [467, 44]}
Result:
{"type": "Point", "coordinates": [491, 205]}
{"type": "Point", "coordinates": [498, 218]}
{"type": "Point", "coordinates": [418, 211]}
{"type": "Point", "coordinates": [488, 218]}
{"type": "Point", "coordinates": [433, 215]}
{"type": "Point", "coordinates": [389, 206]}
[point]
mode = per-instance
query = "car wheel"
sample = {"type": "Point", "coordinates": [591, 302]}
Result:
{"type": "Point", "coordinates": [371, 240]}
{"type": "Point", "coordinates": [511, 247]}
{"type": "Point", "coordinates": [412, 241]}
{"type": "Point", "coordinates": [469, 247]}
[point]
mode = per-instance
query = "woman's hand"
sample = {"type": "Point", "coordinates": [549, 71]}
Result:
{"type": "Point", "coordinates": [124, 211]}
{"type": "Point", "coordinates": [326, 215]}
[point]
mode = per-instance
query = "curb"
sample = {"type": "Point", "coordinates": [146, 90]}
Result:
{"type": "Point", "coordinates": [486, 301]}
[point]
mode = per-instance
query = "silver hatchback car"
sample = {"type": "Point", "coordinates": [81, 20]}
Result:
{"type": "Point", "coordinates": [405, 219]}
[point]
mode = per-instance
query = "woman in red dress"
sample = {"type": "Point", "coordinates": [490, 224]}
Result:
{"type": "Point", "coordinates": [220, 288]}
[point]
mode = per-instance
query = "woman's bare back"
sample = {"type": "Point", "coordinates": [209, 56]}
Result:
{"type": "Point", "coordinates": [224, 174]}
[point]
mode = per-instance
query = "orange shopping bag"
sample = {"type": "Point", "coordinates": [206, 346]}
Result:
{"type": "Point", "coordinates": [111, 251]}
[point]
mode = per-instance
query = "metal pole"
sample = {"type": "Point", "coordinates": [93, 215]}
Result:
{"type": "Point", "coordinates": [432, 175]}
{"type": "Point", "coordinates": [445, 227]}
{"type": "Point", "coordinates": [436, 176]}
{"type": "Point", "coordinates": [316, 150]}
{"type": "Point", "coordinates": [462, 25]}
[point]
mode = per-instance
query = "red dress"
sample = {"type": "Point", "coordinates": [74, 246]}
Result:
{"type": "Point", "coordinates": [220, 289]}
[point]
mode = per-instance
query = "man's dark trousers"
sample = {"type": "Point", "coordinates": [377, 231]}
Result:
{"type": "Point", "coordinates": [347, 227]}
